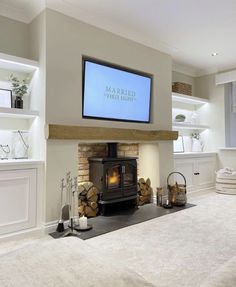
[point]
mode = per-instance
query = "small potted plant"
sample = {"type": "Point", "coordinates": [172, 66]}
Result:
{"type": "Point", "coordinates": [19, 89]}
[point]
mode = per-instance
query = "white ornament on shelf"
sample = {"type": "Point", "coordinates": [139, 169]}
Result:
{"type": "Point", "coordinates": [20, 144]}
{"type": "Point", "coordinates": [4, 151]}
{"type": "Point", "coordinates": [197, 145]}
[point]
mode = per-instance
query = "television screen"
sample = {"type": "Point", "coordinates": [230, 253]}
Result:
{"type": "Point", "coordinates": [114, 93]}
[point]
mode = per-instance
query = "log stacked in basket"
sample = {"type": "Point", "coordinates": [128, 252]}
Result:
{"type": "Point", "coordinates": [144, 191]}
{"type": "Point", "coordinates": [88, 199]}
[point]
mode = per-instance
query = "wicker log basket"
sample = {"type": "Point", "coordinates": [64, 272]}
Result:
{"type": "Point", "coordinates": [177, 192]}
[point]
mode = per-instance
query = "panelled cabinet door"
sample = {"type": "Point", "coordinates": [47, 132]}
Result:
{"type": "Point", "coordinates": [186, 167]}
{"type": "Point", "coordinates": [18, 200]}
{"type": "Point", "coordinates": [206, 170]}
{"type": "Point", "coordinates": [199, 171]}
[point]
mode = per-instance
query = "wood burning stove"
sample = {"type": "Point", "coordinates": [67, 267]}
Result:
{"type": "Point", "coordinates": [115, 177]}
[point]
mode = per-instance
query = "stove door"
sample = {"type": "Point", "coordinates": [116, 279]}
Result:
{"type": "Point", "coordinates": [129, 172]}
{"type": "Point", "coordinates": [120, 181]}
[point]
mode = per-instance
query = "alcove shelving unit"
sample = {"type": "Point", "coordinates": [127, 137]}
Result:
{"type": "Point", "coordinates": [19, 119]}
{"type": "Point", "coordinates": [198, 167]}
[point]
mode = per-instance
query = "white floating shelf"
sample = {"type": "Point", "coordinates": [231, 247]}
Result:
{"type": "Point", "coordinates": [17, 113]}
{"type": "Point", "coordinates": [188, 99]}
{"type": "Point", "coordinates": [188, 126]}
{"type": "Point", "coordinates": [17, 64]}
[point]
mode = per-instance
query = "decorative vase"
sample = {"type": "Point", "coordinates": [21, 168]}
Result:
{"type": "Point", "coordinates": [20, 144]}
{"type": "Point", "coordinates": [196, 145]}
{"type": "Point", "coordinates": [19, 102]}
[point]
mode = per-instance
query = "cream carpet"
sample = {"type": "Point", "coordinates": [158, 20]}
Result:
{"type": "Point", "coordinates": [61, 263]}
{"type": "Point", "coordinates": [180, 249]}
{"type": "Point", "coordinates": [193, 247]}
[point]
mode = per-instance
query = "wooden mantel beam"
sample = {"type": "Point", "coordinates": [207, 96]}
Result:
{"type": "Point", "coordinates": [62, 132]}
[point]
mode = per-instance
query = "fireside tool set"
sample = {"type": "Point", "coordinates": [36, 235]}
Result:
{"type": "Point", "coordinates": [68, 190]}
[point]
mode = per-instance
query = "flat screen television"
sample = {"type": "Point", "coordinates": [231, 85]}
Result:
{"type": "Point", "coordinates": [111, 92]}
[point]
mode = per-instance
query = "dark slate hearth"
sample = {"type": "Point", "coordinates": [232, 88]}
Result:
{"type": "Point", "coordinates": [123, 218]}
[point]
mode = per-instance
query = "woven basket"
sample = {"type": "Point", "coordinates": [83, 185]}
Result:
{"type": "Point", "coordinates": [177, 192]}
{"type": "Point", "coordinates": [182, 88]}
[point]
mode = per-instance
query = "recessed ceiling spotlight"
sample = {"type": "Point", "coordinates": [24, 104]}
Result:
{"type": "Point", "coordinates": [214, 54]}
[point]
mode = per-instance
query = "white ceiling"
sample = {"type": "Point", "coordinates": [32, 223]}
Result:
{"type": "Point", "coordinates": [189, 30]}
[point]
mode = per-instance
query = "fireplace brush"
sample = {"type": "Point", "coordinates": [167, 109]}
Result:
{"type": "Point", "coordinates": [60, 226]}
{"type": "Point", "coordinates": [66, 206]}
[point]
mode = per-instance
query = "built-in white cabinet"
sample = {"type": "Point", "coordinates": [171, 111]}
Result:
{"type": "Point", "coordinates": [198, 169]}
{"type": "Point", "coordinates": [20, 194]}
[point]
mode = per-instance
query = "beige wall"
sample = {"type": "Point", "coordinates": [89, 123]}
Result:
{"type": "Point", "coordinates": [14, 37]}
{"type": "Point", "coordinates": [67, 40]}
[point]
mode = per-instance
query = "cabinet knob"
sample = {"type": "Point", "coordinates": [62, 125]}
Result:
{"type": "Point", "coordinates": [196, 173]}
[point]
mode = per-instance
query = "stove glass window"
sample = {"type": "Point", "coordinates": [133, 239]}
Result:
{"type": "Point", "coordinates": [113, 177]}
{"type": "Point", "coordinates": [129, 174]}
